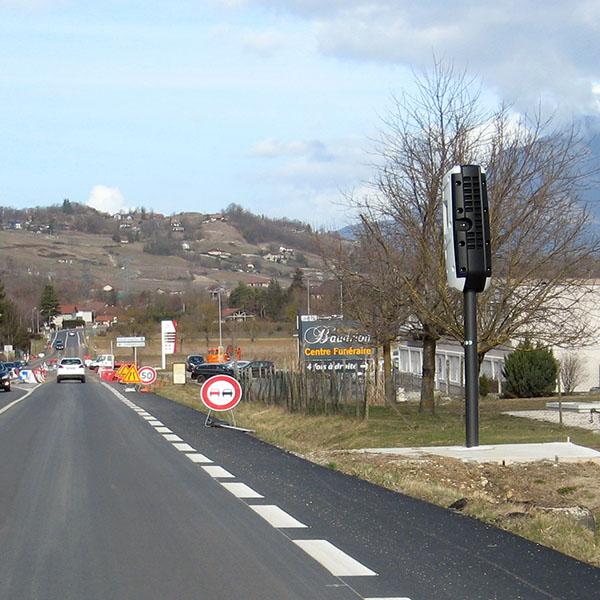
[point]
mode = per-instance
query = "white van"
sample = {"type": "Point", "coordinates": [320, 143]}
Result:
{"type": "Point", "coordinates": [106, 361]}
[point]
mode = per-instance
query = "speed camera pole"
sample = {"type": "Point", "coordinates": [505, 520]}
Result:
{"type": "Point", "coordinates": [471, 369]}
{"type": "Point", "coordinates": [468, 268]}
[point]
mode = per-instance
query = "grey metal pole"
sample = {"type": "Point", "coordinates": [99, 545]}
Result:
{"type": "Point", "coordinates": [471, 369]}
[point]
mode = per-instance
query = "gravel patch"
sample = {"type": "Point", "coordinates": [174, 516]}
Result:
{"type": "Point", "coordinates": [569, 418]}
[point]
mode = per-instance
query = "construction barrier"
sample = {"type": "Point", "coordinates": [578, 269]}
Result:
{"type": "Point", "coordinates": [27, 376]}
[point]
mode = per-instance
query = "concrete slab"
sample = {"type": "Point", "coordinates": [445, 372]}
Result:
{"type": "Point", "coordinates": [501, 453]}
{"type": "Point", "coordinates": [575, 406]}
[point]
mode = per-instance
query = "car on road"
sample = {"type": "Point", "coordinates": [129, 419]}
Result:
{"type": "Point", "coordinates": [71, 333]}
{"type": "Point", "coordinates": [206, 370]}
{"type": "Point", "coordinates": [5, 379]}
{"type": "Point", "coordinates": [59, 345]}
{"type": "Point", "coordinates": [192, 361]}
{"type": "Point", "coordinates": [70, 368]}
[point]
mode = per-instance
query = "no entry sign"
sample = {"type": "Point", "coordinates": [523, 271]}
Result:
{"type": "Point", "coordinates": [221, 392]}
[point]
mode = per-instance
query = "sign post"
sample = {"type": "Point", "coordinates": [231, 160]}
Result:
{"type": "Point", "coordinates": [220, 393]}
{"type": "Point", "coordinates": [168, 330]}
{"type": "Point", "coordinates": [132, 342]}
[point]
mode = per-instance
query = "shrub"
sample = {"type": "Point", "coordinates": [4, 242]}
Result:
{"type": "Point", "coordinates": [484, 386]}
{"type": "Point", "coordinates": [530, 372]}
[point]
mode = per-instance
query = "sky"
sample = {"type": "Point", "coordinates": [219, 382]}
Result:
{"type": "Point", "coordinates": [191, 105]}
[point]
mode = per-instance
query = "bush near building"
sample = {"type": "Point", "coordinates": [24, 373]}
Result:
{"type": "Point", "coordinates": [530, 372]}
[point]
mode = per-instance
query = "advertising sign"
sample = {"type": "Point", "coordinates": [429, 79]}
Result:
{"type": "Point", "coordinates": [168, 331]}
{"type": "Point", "coordinates": [332, 344]}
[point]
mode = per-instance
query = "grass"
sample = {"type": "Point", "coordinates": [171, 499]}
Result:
{"type": "Point", "coordinates": [510, 497]}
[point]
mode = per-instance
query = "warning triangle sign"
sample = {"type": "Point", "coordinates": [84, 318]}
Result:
{"type": "Point", "coordinates": [131, 375]}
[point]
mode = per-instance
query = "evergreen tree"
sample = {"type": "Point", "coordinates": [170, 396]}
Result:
{"type": "Point", "coordinates": [49, 302]}
{"type": "Point", "coordinates": [530, 372]}
{"type": "Point", "coordinates": [274, 300]}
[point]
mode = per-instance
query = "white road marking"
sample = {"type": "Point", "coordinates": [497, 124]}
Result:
{"type": "Point", "coordinates": [218, 472]}
{"type": "Point", "coordinates": [403, 598]}
{"type": "Point", "coordinates": [163, 430]}
{"type": "Point", "coordinates": [155, 423]}
{"type": "Point", "coordinates": [19, 399]}
{"type": "Point", "coordinates": [276, 516]}
{"type": "Point", "coordinates": [184, 448]}
{"type": "Point", "coordinates": [240, 490]}
{"type": "Point", "coordinates": [336, 561]}
{"type": "Point", "coordinates": [198, 458]}
{"type": "Point", "coordinates": [171, 437]}
{"type": "Point", "coordinates": [149, 418]}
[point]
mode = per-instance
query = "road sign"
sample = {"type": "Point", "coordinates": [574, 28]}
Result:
{"type": "Point", "coordinates": [130, 375]}
{"type": "Point", "coordinates": [131, 342]}
{"type": "Point", "coordinates": [147, 375]}
{"type": "Point", "coordinates": [221, 392]}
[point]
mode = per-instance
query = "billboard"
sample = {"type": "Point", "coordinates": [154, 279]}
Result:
{"type": "Point", "coordinates": [329, 343]}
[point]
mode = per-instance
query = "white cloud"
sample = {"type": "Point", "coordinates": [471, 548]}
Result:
{"type": "Point", "coordinates": [106, 199]}
{"type": "Point", "coordinates": [311, 150]}
{"type": "Point", "coordinates": [524, 50]}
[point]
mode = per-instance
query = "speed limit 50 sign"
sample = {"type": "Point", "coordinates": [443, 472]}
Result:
{"type": "Point", "coordinates": [221, 392]}
{"type": "Point", "coordinates": [147, 375]}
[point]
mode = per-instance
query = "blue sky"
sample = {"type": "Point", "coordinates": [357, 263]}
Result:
{"type": "Point", "coordinates": [192, 105]}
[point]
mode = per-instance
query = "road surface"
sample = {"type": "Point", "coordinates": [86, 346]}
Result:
{"type": "Point", "coordinates": [128, 496]}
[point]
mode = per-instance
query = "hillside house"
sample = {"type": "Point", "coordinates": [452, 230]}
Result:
{"type": "Point", "coordinates": [258, 283]}
{"type": "Point", "coordinates": [217, 252]}
{"type": "Point", "coordinates": [276, 258]}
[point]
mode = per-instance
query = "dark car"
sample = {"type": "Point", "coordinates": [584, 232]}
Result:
{"type": "Point", "coordinates": [59, 345]}
{"type": "Point", "coordinates": [192, 361]}
{"type": "Point", "coordinates": [202, 372]}
{"type": "Point", "coordinates": [259, 368]}
{"type": "Point", "coordinates": [4, 379]}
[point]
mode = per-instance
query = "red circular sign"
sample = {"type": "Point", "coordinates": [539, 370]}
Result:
{"type": "Point", "coordinates": [148, 375]}
{"type": "Point", "coordinates": [221, 392]}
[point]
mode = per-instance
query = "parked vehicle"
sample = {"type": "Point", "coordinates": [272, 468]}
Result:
{"type": "Point", "coordinates": [70, 368]}
{"type": "Point", "coordinates": [4, 379]}
{"type": "Point", "coordinates": [259, 368]}
{"type": "Point", "coordinates": [103, 360]}
{"type": "Point", "coordinates": [192, 361]}
{"type": "Point", "coordinates": [206, 370]}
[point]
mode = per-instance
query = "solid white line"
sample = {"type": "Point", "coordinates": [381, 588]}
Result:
{"type": "Point", "coordinates": [155, 423]}
{"type": "Point", "coordinates": [276, 516]}
{"type": "Point", "coordinates": [198, 458]}
{"type": "Point", "coordinates": [218, 472]}
{"type": "Point", "coordinates": [19, 399]}
{"type": "Point", "coordinates": [163, 430]}
{"type": "Point", "coordinates": [336, 561]}
{"type": "Point", "coordinates": [184, 448]}
{"type": "Point", "coordinates": [240, 490]}
{"type": "Point", "coordinates": [171, 437]}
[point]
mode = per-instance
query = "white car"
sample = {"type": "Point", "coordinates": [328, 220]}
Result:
{"type": "Point", "coordinates": [70, 368]}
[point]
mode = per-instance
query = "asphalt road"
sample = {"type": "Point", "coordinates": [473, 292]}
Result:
{"type": "Point", "coordinates": [97, 501]}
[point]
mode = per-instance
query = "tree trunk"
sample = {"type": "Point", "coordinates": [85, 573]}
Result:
{"type": "Point", "coordinates": [427, 401]}
{"type": "Point", "coordinates": [388, 382]}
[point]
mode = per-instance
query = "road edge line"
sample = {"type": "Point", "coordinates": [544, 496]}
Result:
{"type": "Point", "coordinates": [5, 408]}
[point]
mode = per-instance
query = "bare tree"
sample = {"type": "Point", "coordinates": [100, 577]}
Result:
{"type": "Point", "coordinates": [571, 372]}
{"type": "Point", "coordinates": [542, 246]}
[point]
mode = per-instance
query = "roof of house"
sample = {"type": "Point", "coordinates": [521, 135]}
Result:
{"type": "Point", "coordinates": [67, 309]}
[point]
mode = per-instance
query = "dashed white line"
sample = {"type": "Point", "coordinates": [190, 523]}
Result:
{"type": "Point", "coordinates": [155, 423]}
{"type": "Point", "coordinates": [163, 430]}
{"type": "Point", "coordinates": [395, 598]}
{"type": "Point", "coordinates": [198, 458]}
{"type": "Point", "coordinates": [336, 561]}
{"type": "Point", "coordinates": [184, 447]}
{"type": "Point", "coordinates": [149, 418]}
{"type": "Point", "coordinates": [217, 472]}
{"type": "Point", "coordinates": [240, 490]}
{"type": "Point", "coordinates": [275, 516]}
{"type": "Point", "coordinates": [171, 437]}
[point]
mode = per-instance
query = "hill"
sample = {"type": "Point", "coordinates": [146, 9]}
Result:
{"type": "Point", "coordinates": [83, 250]}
